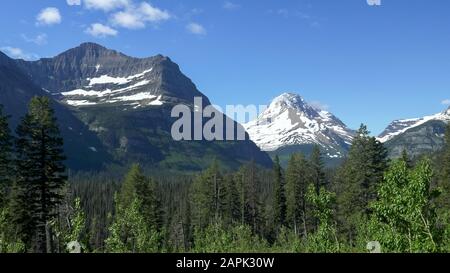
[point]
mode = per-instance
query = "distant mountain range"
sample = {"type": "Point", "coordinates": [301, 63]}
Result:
{"type": "Point", "coordinates": [115, 109]}
{"type": "Point", "coordinates": [291, 125]}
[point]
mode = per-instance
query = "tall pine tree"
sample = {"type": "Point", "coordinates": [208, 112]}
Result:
{"type": "Point", "coordinates": [251, 209]}
{"type": "Point", "coordinates": [297, 179]}
{"type": "Point", "coordinates": [444, 179]}
{"type": "Point", "coordinates": [138, 186]}
{"type": "Point", "coordinates": [208, 196]}
{"type": "Point", "coordinates": [358, 178]}
{"type": "Point", "coordinates": [279, 206]}
{"type": "Point", "coordinates": [232, 201]}
{"type": "Point", "coordinates": [317, 177]}
{"type": "Point", "coordinates": [317, 169]}
{"type": "Point", "coordinates": [6, 158]}
{"type": "Point", "coordinates": [40, 174]}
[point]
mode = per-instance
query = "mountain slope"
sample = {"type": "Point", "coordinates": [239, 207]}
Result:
{"type": "Point", "coordinates": [418, 136]}
{"type": "Point", "coordinates": [127, 102]}
{"type": "Point", "coordinates": [290, 124]}
{"type": "Point", "coordinates": [83, 148]}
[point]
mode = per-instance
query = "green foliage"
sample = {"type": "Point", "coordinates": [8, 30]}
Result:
{"type": "Point", "coordinates": [287, 242]}
{"type": "Point", "coordinates": [324, 239]}
{"type": "Point", "coordinates": [129, 232]}
{"type": "Point", "coordinates": [251, 210]}
{"type": "Point", "coordinates": [77, 224]}
{"type": "Point", "coordinates": [9, 241]}
{"type": "Point", "coordinates": [404, 216]}
{"type": "Point", "coordinates": [216, 238]}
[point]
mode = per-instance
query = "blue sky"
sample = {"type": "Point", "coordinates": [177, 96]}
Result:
{"type": "Point", "coordinates": [365, 63]}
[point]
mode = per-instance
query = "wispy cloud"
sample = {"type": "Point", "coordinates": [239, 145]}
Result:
{"type": "Point", "coordinates": [73, 2]}
{"type": "Point", "coordinates": [231, 6]}
{"type": "Point", "coordinates": [446, 102]}
{"type": "Point", "coordinates": [18, 53]}
{"type": "Point", "coordinates": [49, 16]}
{"type": "Point", "coordinates": [40, 39]}
{"type": "Point", "coordinates": [196, 28]}
{"type": "Point", "coordinates": [287, 13]}
{"type": "Point", "coordinates": [101, 31]}
{"type": "Point", "coordinates": [319, 105]}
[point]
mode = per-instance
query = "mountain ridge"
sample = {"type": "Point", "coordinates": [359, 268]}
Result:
{"type": "Point", "coordinates": [417, 136]}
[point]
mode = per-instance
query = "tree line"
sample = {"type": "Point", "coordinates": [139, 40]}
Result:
{"type": "Point", "coordinates": [404, 204]}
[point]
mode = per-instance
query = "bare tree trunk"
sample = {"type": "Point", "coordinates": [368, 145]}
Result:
{"type": "Point", "coordinates": [48, 238]}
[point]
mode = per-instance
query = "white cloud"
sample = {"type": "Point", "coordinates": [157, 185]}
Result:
{"type": "Point", "coordinates": [446, 102]}
{"type": "Point", "coordinates": [49, 16]}
{"type": "Point", "coordinates": [196, 28]}
{"type": "Point", "coordinates": [127, 19]}
{"type": "Point", "coordinates": [101, 31]}
{"type": "Point", "coordinates": [230, 6]}
{"type": "Point", "coordinates": [319, 105]}
{"type": "Point", "coordinates": [18, 53]}
{"type": "Point", "coordinates": [73, 2]}
{"type": "Point", "coordinates": [106, 5]}
{"type": "Point", "coordinates": [134, 17]}
{"type": "Point", "coordinates": [40, 39]}
{"type": "Point", "coordinates": [152, 14]}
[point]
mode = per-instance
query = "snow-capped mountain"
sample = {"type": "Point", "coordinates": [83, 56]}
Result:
{"type": "Point", "coordinates": [91, 75]}
{"type": "Point", "coordinates": [291, 121]}
{"type": "Point", "coordinates": [399, 127]}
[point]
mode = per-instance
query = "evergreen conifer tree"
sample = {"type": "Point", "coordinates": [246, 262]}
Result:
{"type": "Point", "coordinates": [6, 158]}
{"type": "Point", "coordinates": [297, 179]}
{"type": "Point", "coordinates": [40, 173]}
{"type": "Point", "coordinates": [279, 205]}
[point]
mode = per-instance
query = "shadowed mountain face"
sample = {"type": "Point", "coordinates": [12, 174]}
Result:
{"type": "Point", "coordinates": [417, 136]}
{"type": "Point", "coordinates": [16, 90]}
{"type": "Point", "coordinates": [126, 104]}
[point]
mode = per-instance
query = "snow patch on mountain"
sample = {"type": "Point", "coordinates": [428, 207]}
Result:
{"type": "Point", "coordinates": [106, 89]}
{"type": "Point", "coordinates": [136, 97]}
{"type": "Point", "coordinates": [105, 79]}
{"type": "Point", "coordinates": [399, 127]}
